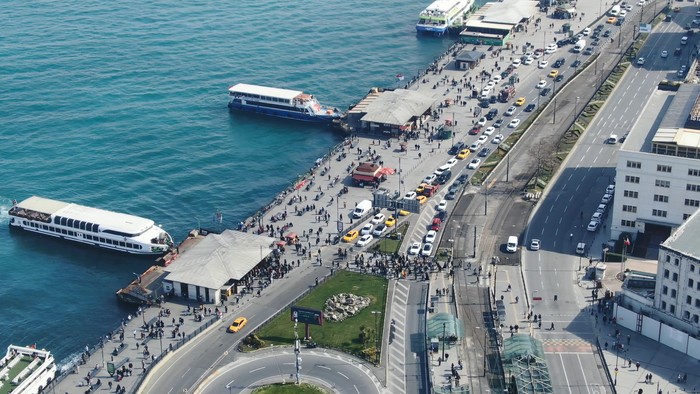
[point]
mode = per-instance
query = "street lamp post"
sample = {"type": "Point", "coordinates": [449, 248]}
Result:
{"type": "Point", "coordinates": [376, 335]}
{"type": "Point", "coordinates": [444, 338]}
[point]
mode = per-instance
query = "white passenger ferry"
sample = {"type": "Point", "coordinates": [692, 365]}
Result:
{"type": "Point", "coordinates": [92, 226]}
{"type": "Point", "coordinates": [284, 103]}
{"type": "Point", "coordinates": [26, 370]}
{"type": "Point", "coordinates": [439, 16]}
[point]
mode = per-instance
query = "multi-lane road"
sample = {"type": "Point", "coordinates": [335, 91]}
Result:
{"type": "Point", "coordinates": [570, 202]}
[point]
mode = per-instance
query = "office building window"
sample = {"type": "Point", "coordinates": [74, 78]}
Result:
{"type": "Point", "coordinates": [692, 268]}
{"type": "Point", "coordinates": [664, 290]}
{"type": "Point", "coordinates": [691, 171]}
{"type": "Point", "coordinates": [673, 293]}
{"type": "Point", "coordinates": [631, 179]}
{"type": "Point", "coordinates": [663, 305]}
{"type": "Point", "coordinates": [631, 194]}
{"type": "Point", "coordinates": [672, 309]}
{"type": "Point", "coordinates": [689, 300]}
{"type": "Point", "coordinates": [692, 188]}
{"type": "Point", "coordinates": [666, 273]}
{"type": "Point", "coordinates": [674, 277]}
{"type": "Point", "coordinates": [659, 213]}
{"type": "Point", "coordinates": [692, 203]}
{"type": "Point", "coordinates": [686, 215]}
{"type": "Point", "coordinates": [627, 223]}
{"type": "Point", "coordinates": [691, 283]}
{"type": "Point", "coordinates": [660, 198]}
{"type": "Point", "coordinates": [629, 208]}
{"type": "Point", "coordinates": [634, 164]}
{"type": "Point", "coordinates": [696, 318]}
{"type": "Point", "coordinates": [662, 183]}
{"type": "Point", "coordinates": [663, 168]}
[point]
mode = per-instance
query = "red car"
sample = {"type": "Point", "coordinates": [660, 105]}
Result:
{"type": "Point", "coordinates": [475, 130]}
{"type": "Point", "coordinates": [436, 224]}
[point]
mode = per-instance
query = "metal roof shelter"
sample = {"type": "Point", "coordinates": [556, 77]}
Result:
{"type": "Point", "coordinates": [523, 360]}
{"type": "Point", "coordinates": [470, 56]}
{"type": "Point", "coordinates": [685, 239]}
{"type": "Point", "coordinates": [218, 258]}
{"type": "Point", "coordinates": [397, 107]}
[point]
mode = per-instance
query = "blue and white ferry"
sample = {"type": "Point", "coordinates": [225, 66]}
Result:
{"type": "Point", "coordinates": [92, 226]}
{"type": "Point", "coordinates": [283, 103]}
{"type": "Point", "coordinates": [439, 16]}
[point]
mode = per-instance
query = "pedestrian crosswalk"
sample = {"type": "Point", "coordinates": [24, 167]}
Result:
{"type": "Point", "coordinates": [398, 339]}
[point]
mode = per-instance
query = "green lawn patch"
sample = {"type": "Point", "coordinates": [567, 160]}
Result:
{"type": "Point", "coordinates": [289, 388]}
{"type": "Point", "coordinates": [354, 335]}
{"type": "Point", "coordinates": [392, 242]}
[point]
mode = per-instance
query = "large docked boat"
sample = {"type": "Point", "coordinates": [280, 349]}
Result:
{"type": "Point", "coordinates": [439, 16]}
{"type": "Point", "coordinates": [92, 226]}
{"type": "Point", "coordinates": [26, 370]}
{"type": "Point", "coordinates": [284, 103]}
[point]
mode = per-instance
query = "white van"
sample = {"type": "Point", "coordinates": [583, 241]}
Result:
{"type": "Point", "coordinates": [579, 46]}
{"type": "Point", "coordinates": [684, 40]}
{"type": "Point", "coordinates": [362, 208]}
{"type": "Point", "coordinates": [512, 245]}
{"type": "Point", "coordinates": [615, 11]}
{"type": "Point", "coordinates": [581, 248]}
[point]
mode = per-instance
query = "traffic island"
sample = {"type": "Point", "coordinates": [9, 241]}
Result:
{"type": "Point", "coordinates": [359, 334]}
{"type": "Point", "coordinates": [290, 388]}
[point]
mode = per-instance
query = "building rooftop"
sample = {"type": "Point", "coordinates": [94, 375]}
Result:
{"type": "Point", "coordinates": [685, 239]}
{"type": "Point", "coordinates": [397, 107]}
{"type": "Point", "coordinates": [508, 12]}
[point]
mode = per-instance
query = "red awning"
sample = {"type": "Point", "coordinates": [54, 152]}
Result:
{"type": "Point", "coordinates": [387, 171]}
{"type": "Point", "coordinates": [300, 184]}
{"type": "Point", "coordinates": [280, 243]}
{"type": "Point", "coordinates": [364, 178]}
{"type": "Point", "coordinates": [291, 236]}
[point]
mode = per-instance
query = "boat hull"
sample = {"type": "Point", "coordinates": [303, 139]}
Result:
{"type": "Point", "coordinates": [438, 31]}
{"type": "Point", "coordinates": [144, 252]}
{"type": "Point", "coordinates": [281, 113]}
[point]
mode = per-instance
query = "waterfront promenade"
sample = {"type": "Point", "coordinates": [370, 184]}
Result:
{"type": "Point", "coordinates": [316, 226]}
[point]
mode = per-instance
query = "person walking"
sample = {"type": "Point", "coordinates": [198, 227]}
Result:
{"type": "Point", "coordinates": [552, 327]}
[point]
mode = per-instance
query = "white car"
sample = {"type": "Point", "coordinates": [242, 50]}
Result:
{"type": "Point", "coordinates": [511, 110]}
{"type": "Point", "coordinates": [442, 169]}
{"type": "Point", "coordinates": [601, 208]}
{"type": "Point", "coordinates": [549, 51]}
{"type": "Point", "coordinates": [473, 164]}
{"type": "Point", "coordinates": [410, 196]}
{"type": "Point", "coordinates": [586, 31]}
{"type": "Point", "coordinates": [496, 78]}
{"type": "Point", "coordinates": [364, 240]}
{"type": "Point", "coordinates": [535, 244]}
{"type": "Point", "coordinates": [514, 123]}
{"type": "Point", "coordinates": [528, 60]}
{"type": "Point", "coordinates": [489, 130]}
{"type": "Point", "coordinates": [542, 64]}
{"type": "Point", "coordinates": [491, 83]}
{"type": "Point", "coordinates": [367, 229]}
{"type": "Point", "coordinates": [482, 121]}
{"type": "Point", "coordinates": [537, 55]}
{"type": "Point", "coordinates": [379, 230]}
{"type": "Point", "coordinates": [474, 147]}
{"type": "Point", "coordinates": [628, 7]}
{"type": "Point", "coordinates": [451, 163]}
{"type": "Point", "coordinates": [696, 22]}
{"type": "Point", "coordinates": [378, 218]}
{"type": "Point", "coordinates": [442, 205]}
{"type": "Point", "coordinates": [592, 226]}
{"type": "Point", "coordinates": [482, 139]}
{"type": "Point", "coordinates": [414, 249]}
{"type": "Point", "coordinates": [597, 217]}
{"type": "Point", "coordinates": [641, 2]}
{"type": "Point", "coordinates": [541, 84]}
{"type": "Point", "coordinates": [606, 198]}
{"type": "Point", "coordinates": [610, 189]}
{"type": "Point", "coordinates": [664, 54]}
{"type": "Point", "coordinates": [430, 236]}
{"type": "Point", "coordinates": [623, 13]}
{"type": "Point", "coordinates": [640, 61]}
{"type": "Point", "coordinates": [430, 179]}
{"type": "Point", "coordinates": [516, 63]}
{"type": "Point", "coordinates": [427, 250]}
{"type": "Point", "coordinates": [497, 139]}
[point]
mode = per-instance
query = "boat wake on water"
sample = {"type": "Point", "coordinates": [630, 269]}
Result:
{"type": "Point", "coordinates": [5, 205]}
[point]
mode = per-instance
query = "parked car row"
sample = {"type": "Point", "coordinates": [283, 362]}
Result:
{"type": "Point", "coordinates": [599, 215]}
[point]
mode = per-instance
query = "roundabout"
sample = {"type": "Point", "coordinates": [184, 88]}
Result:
{"type": "Point", "coordinates": [333, 371]}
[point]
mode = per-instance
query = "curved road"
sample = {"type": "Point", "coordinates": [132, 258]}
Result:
{"type": "Point", "coordinates": [328, 369]}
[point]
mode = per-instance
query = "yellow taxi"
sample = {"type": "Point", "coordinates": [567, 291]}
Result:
{"type": "Point", "coordinates": [351, 235]}
{"type": "Point", "coordinates": [404, 212]}
{"type": "Point", "coordinates": [390, 222]}
{"type": "Point", "coordinates": [612, 20]}
{"type": "Point", "coordinates": [237, 324]}
{"type": "Point", "coordinates": [421, 188]}
{"type": "Point", "coordinates": [463, 154]}
{"type": "Point", "coordinates": [520, 101]}
{"type": "Point", "coordinates": [553, 73]}
{"type": "Point", "coordinates": [422, 199]}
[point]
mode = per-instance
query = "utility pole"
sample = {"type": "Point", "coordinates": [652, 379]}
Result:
{"type": "Point", "coordinates": [297, 352]}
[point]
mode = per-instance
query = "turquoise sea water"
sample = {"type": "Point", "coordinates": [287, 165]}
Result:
{"type": "Point", "coordinates": [122, 106]}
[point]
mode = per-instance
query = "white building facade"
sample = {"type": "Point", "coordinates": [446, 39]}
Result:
{"type": "Point", "coordinates": [658, 170]}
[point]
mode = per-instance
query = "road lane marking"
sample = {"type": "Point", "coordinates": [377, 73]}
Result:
{"type": "Point", "coordinates": [568, 385]}
{"type": "Point", "coordinates": [343, 375]}
{"type": "Point", "coordinates": [256, 369]}
{"type": "Point", "coordinates": [356, 389]}
{"type": "Point", "coordinates": [324, 367]}
{"type": "Point", "coordinates": [583, 372]}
